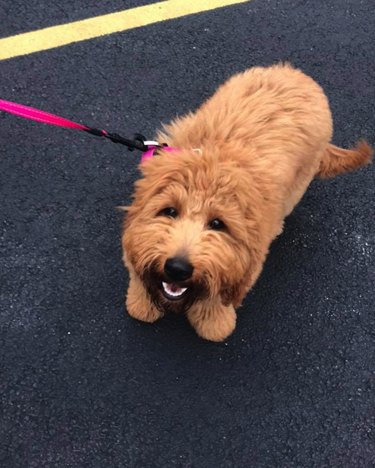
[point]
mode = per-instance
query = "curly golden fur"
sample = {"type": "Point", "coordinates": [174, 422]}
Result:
{"type": "Point", "coordinates": [261, 139]}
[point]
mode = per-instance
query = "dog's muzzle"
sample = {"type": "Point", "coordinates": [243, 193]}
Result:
{"type": "Point", "coordinates": [174, 289]}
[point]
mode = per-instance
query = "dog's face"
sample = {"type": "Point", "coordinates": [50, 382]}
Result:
{"type": "Point", "coordinates": [191, 232]}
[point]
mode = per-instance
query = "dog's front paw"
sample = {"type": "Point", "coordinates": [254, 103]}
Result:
{"type": "Point", "coordinates": [145, 314]}
{"type": "Point", "coordinates": [213, 322]}
{"type": "Point", "coordinates": [138, 304]}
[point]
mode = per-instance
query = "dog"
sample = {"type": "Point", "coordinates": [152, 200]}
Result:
{"type": "Point", "coordinates": [204, 214]}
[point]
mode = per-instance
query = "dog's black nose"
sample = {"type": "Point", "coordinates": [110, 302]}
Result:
{"type": "Point", "coordinates": [178, 269]}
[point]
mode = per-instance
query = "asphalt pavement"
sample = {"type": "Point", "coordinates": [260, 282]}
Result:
{"type": "Point", "coordinates": [84, 385]}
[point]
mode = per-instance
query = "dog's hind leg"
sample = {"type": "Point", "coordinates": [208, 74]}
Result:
{"type": "Point", "coordinates": [212, 320]}
{"type": "Point", "coordinates": [138, 303]}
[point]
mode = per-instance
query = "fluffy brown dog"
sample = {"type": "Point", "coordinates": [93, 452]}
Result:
{"type": "Point", "coordinates": [203, 217]}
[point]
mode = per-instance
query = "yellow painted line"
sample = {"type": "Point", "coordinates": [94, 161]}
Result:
{"type": "Point", "coordinates": [57, 36]}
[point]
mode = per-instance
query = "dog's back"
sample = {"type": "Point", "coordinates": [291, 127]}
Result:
{"type": "Point", "coordinates": [281, 119]}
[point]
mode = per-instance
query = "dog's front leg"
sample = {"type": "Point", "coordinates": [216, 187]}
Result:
{"type": "Point", "coordinates": [138, 303]}
{"type": "Point", "coordinates": [212, 320]}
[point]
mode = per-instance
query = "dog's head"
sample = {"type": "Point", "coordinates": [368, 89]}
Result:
{"type": "Point", "coordinates": [192, 231]}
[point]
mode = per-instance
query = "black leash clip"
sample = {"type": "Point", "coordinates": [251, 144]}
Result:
{"type": "Point", "coordinates": [139, 141]}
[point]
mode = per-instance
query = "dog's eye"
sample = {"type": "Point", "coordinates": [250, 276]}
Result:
{"type": "Point", "coordinates": [216, 225]}
{"type": "Point", "coordinates": [169, 212]}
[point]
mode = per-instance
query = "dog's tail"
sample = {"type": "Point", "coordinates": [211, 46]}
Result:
{"type": "Point", "coordinates": [337, 160]}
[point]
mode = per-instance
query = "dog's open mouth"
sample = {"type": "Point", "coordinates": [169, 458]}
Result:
{"type": "Point", "coordinates": [173, 296]}
{"type": "Point", "coordinates": [172, 291]}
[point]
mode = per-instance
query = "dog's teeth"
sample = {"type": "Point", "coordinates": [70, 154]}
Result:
{"type": "Point", "coordinates": [173, 290]}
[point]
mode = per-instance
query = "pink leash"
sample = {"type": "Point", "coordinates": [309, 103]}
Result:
{"type": "Point", "coordinates": [38, 115]}
{"type": "Point", "coordinates": [139, 143]}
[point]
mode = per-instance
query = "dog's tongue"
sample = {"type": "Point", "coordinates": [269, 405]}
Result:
{"type": "Point", "coordinates": [173, 289]}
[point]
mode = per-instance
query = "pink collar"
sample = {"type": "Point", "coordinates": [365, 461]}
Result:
{"type": "Point", "coordinates": [150, 152]}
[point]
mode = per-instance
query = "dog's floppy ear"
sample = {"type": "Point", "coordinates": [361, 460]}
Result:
{"type": "Point", "coordinates": [234, 294]}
